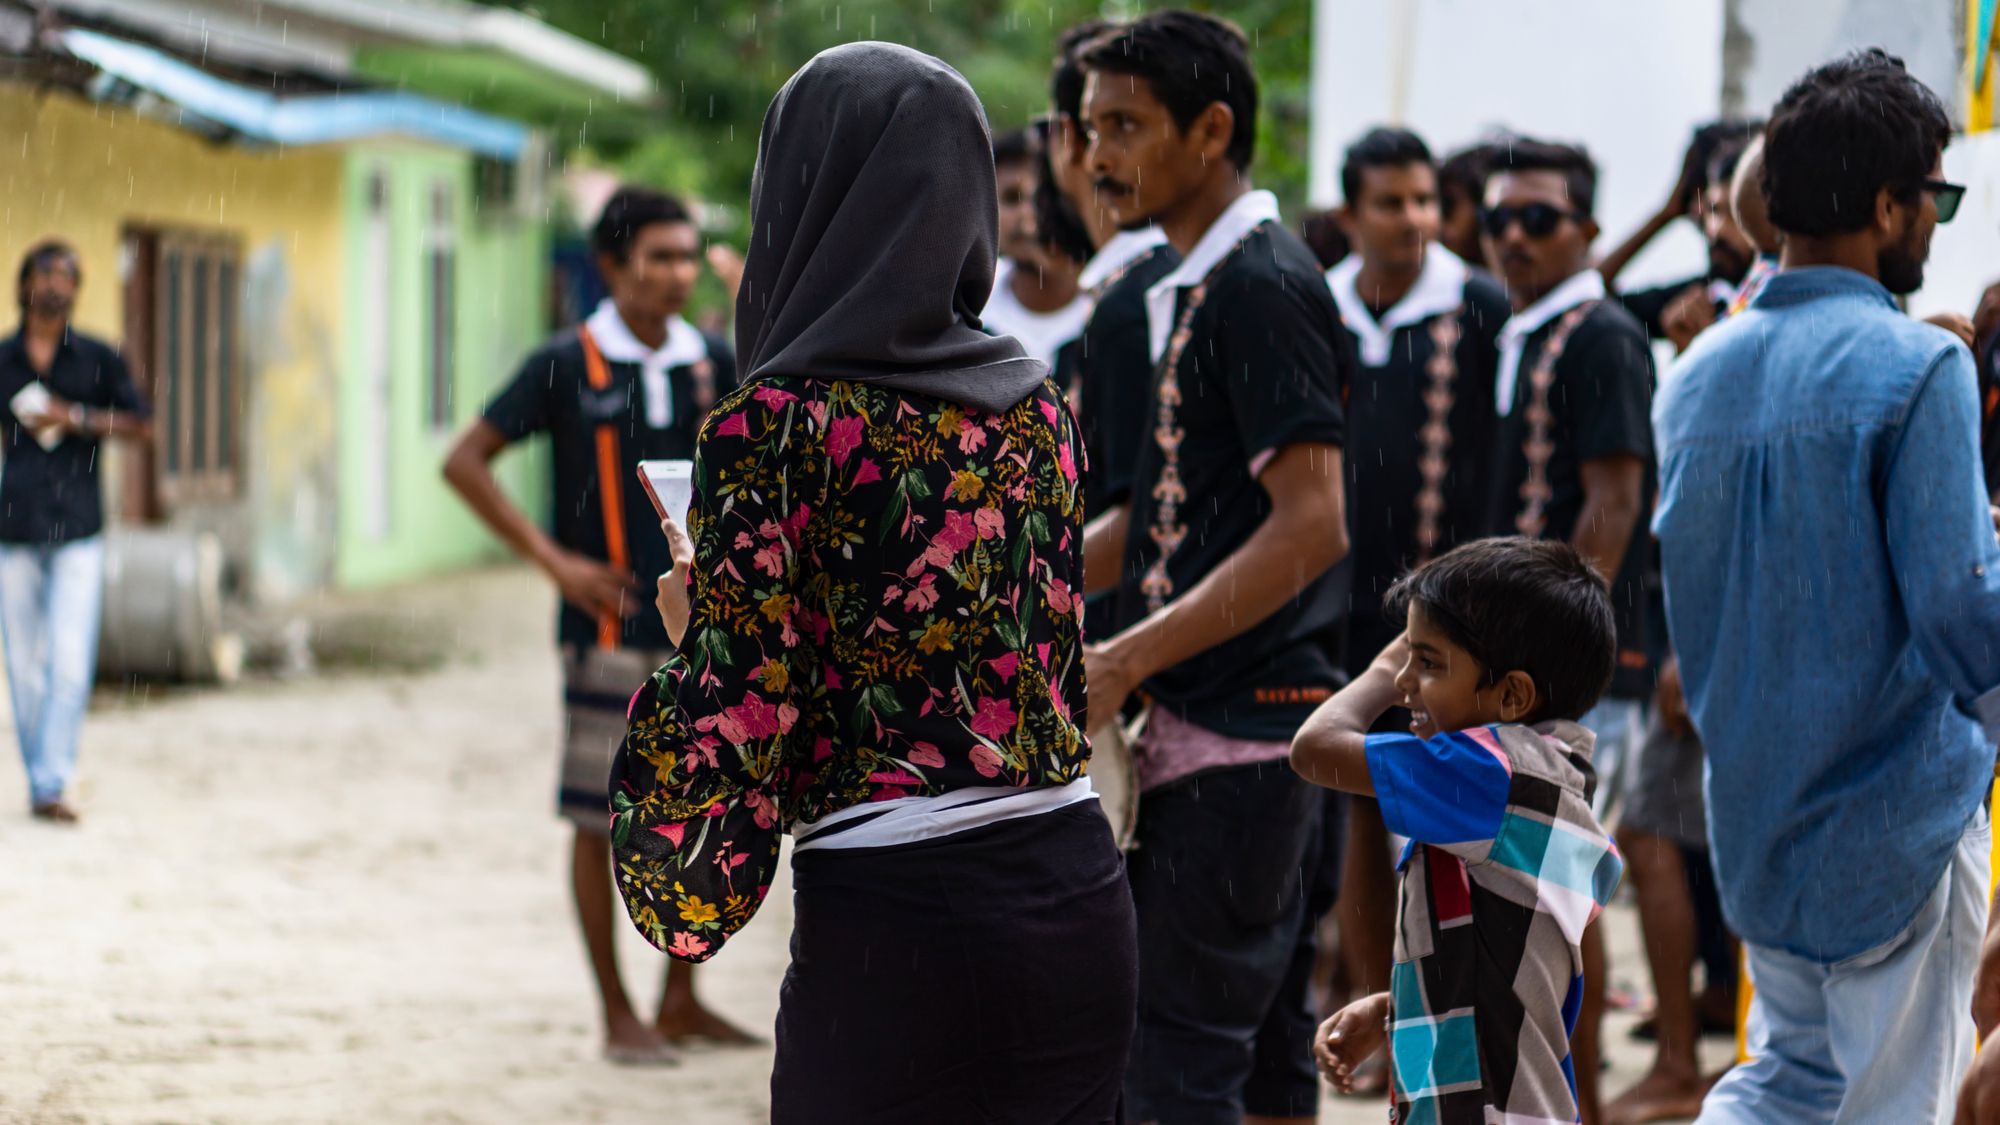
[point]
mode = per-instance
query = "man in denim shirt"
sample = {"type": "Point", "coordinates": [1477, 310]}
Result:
{"type": "Point", "coordinates": [1833, 590]}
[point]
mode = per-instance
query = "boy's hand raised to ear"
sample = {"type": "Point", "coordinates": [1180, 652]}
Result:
{"type": "Point", "coordinates": [1331, 749]}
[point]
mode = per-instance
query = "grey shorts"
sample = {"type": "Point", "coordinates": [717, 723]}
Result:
{"type": "Point", "coordinates": [1663, 788]}
{"type": "Point", "coordinates": [598, 685]}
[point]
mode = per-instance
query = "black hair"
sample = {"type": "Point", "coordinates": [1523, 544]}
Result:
{"type": "Point", "coordinates": [1060, 227]}
{"type": "Point", "coordinates": [1727, 155]}
{"type": "Point", "coordinates": [1066, 80]}
{"type": "Point", "coordinates": [1712, 140]}
{"type": "Point", "coordinates": [1518, 604]}
{"type": "Point", "coordinates": [629, 211]}
{"type": "Point", "coordinates": [1845, 132]}
{"type": "Point", "coordinates": [1323, 236]}
{"type": "Point", "coordinates": [1191, 61]}
{"type": "Point", "coordinates": [1463, 176]}
{"type": "Point", "coordinates": [1380, 148]}
{"type": "Point", "coordinates": [43, 255]}
{"type": "Point", "coordinates": [1013, 146]}
{"type": "Point", "coordinates": [1524, 154]}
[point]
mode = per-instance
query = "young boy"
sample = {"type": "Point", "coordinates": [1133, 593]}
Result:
{"type": "Point", "coordinates": [1508, 643]}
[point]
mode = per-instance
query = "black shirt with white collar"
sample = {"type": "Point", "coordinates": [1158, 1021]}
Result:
{"type": "Point", "coordinates": [1263, 368]}
{"type": "Point", "coordinates": [1399, 383]}
{"type": "Point", "coordinates": [551, 394]}
{"type": "Point", "coordinates": [54, 496]}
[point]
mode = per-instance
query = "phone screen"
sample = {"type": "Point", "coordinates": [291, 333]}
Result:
{"type": "Point", "coordinates": [670, 486]}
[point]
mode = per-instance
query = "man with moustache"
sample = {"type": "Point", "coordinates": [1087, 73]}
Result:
{"type": "Point", "coordinates": [1222, 563]}
{"type": "Point", "coordinates": [1833, 588]}
{"type": "Point", "coordinates": [1693, 190]}
{"type": "Point", "coordinates": [1036, 298]}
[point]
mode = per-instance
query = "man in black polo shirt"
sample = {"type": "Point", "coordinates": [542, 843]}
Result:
{"type": "Point", "coordinates": [1112, 367]}
{"type": "Point", "coordinates": [1226, 604]}
{"type": "Point", "coordinates": [631, 384]}
{"type": "Point", "coordinates": [1729, 261]}
{"type": "Point", "coordinates": [1573, 451]}
{"type": "Point", "coordinates": [64, 393]}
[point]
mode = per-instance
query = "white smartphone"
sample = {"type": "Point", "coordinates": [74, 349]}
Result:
{"type": "Point", "coordinates": [670, 486]}
{"type": "Point", "coordinates": [33, 399]}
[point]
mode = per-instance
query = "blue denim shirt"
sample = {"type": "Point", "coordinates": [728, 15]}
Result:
{"type": "Point", "coordinates": [1833, 591]}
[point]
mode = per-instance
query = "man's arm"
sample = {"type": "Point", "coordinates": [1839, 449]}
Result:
{"type": "Point", "coordinates": [1940, 537]}
{"type": "Point", "coordinates": [1679, 203]}
{"type": "Point", "coordinates": [586, 583]}
{"type": "Point", "coordinates": [1303, 537]}
{"type": "Point", "coordinates": [1613, 490]}
{"type": "Point", "coordinates": [1104, 548]}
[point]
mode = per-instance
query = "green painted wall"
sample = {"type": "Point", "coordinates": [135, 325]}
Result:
{"type": "Point", "coordinates": [397, 518]}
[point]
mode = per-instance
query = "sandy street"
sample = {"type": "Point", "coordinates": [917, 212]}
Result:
{"type": "Point", "coordinates": [344, 899]}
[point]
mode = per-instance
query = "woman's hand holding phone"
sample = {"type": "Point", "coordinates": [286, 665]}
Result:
{"type": "Point", "coordinates": [673, 597]}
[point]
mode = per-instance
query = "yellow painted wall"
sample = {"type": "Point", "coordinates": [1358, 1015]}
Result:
{"type": "Point", "coordinates": [82, 172]}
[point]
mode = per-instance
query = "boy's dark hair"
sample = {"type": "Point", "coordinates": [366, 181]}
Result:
{"type": "Point", "coordinates": [1843, 133]}
{"type": "Point", "coordinates": [43, 255]}
{"type": "Point", "coordinates": [1066, 80]}
{"type": "Point", "coordinates": [1532, 605]}
{"type": "Point", "coordinates": [1013, 146]}
{"type": "Point", "coordinates": [1380, 148]}
{"type": "Point", "coordinates": [629, 211]}
{"type": "Point", "coordinates": [1060, 227]}
{"type": "Point", "coordinates": [1191, 61]}
{"type": "Point", "coordinates": [1463, 176]}
{"type": "Point", "coordinates": [1524, 154]}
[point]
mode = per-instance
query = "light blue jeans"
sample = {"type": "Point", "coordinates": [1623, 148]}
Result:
{"type": "Point", "coordinates": [1619, 724]}
{"type": "Point", "coordinates": [1884, 1036]}
{"type": "Point", "coordinates": [51, 597]}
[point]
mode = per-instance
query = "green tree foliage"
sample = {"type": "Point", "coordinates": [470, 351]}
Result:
{"type": "Point", "coordinates": [720, 62]}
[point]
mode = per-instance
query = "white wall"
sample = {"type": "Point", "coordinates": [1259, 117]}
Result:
{"type": "Point", "coordinates": [1789, 37]}
{"type": "Point", "coordinates": [1630, 81]}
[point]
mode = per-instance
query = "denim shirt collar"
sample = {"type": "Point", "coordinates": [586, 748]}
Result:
{"type": "Point", "coordinates": [1807, 283]}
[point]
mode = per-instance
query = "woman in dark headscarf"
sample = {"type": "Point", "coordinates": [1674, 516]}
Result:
{"type": "Point", "coordinates": [876, 608]}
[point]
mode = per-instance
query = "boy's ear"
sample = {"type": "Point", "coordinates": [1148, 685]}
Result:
{"type": "Point", "coordinates": [1518, 698]}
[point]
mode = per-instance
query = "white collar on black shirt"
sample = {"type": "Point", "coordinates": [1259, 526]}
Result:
{"type": "Point", "coordinates": [1440, 288]}
{"type": "Point", "coordinates": [1251, 209]}
{"type": "Point", "coordinates": [1586, 285]}
{"type": "Point", "coordinates": [1121, 250]}
{"type": "Point", "coordinates": [684, 347]}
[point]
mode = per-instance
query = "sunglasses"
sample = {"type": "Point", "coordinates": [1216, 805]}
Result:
{"type": "Point", "coordinates": [1538, 220]}
{"type": "Point", "coordinates": [1949, 196]}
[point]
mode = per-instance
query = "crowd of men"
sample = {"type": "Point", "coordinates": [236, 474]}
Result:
{"type": "Point", "coordinates": [1462, 352]}
{"type": "Point", "coordinates": [1280, 426]}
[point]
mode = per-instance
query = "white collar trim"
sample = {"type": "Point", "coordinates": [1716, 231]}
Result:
{"type": "Point", "coordinates": [1250, 210]}
{"type": "Point", "coordinates": [1121, 250]}
{"type": "Point", "coordinates": [1586, 285]}
{"type": "Point", "coordinates": [1440, 288]}
{"type": "Point", "coordinates": [685, 346]}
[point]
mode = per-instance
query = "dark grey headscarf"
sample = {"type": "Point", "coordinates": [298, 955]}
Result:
{"type": "Point", "coordinates": [874, 223]}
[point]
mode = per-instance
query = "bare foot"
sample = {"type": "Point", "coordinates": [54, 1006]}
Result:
{"type": "Point", "coordinates": [629, 1042]}
{"type": "Point", "coordinates": [1658, 1097]}
{"type": "Point", "coordinates": [685, 1021]}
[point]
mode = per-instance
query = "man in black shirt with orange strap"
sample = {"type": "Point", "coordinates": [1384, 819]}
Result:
{"type": "Point", "coordinates": [632, 383]}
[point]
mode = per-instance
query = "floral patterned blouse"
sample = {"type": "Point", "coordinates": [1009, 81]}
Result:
{"type": "Point", "coordinates": [886, 603]}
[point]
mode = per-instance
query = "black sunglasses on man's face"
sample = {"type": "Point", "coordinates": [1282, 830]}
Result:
{"type": "Point", "coordinates": [1949, 196]}
{"type": "Point", "coordinates": [1538, 220]}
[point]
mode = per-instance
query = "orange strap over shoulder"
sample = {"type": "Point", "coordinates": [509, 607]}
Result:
{"type": "Point", "coordinates": [610, 485]}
